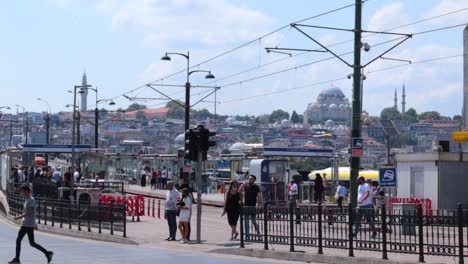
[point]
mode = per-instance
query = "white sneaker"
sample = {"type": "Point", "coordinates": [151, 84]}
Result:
{"type": "Point", "coordinates": [182, 241]}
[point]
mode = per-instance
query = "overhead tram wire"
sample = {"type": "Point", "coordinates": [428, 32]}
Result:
{"type": "Point", "coordinates": [333, 57]}
{"type": "Point", "coordinates": [339, 43]}
{"type": "Point", "coordinates": [241, 46]}
{"type": "Point", "coordinates": [340, 79]}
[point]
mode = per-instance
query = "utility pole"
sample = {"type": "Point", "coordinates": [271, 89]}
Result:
{"type": "Point", "coordinates": [96, 128]}
{"type": "Point", "coordinates": [356, 129]}
{"type": "Point", "coordinates": [27, 128]}
{"type": "Point", "coordinates": [199, 191]}
{"type": "Point", "coordinates": [78, 132]}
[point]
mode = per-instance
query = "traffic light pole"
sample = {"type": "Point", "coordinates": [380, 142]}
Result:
{"type": "Point", "coordinates": [199, 193]}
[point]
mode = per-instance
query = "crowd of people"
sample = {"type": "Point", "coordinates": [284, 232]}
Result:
{"type": "Point", "coordinates": [27, 174]}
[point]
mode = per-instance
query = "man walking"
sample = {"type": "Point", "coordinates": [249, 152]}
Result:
{"type": "Point", "coordinates": [364, 207]}
{"type": "Point", "coordinates": [163, 177]}
{"type": "Point", "coordinates": [252, 198]}
{"type": "Point", "coordinates": [28, 225]}
{"type": "Point", "coordinates": [172, 196]}
{"type": "Point", "coordinates": [341, 191]}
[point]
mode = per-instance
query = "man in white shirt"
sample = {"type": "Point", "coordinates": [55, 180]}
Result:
{"type": "Point", "coordinates": [164, 178]}
{"type": "Point", "coordinates": [21, 177]}
{"type": "Point", "coordinates": [172, 196]}
{"type": "Point", "coordinates": [341, 190]}
{"type": "Point", "coordinates": [76, 175]}
{"type": "Point", "coordinates": [169, 174]}
{"type": "Point", "coordinates": [364, 207]}
{"type": "Point", "coordinates": [293, 192]}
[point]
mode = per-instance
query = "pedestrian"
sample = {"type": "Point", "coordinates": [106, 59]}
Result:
{"type": "Point", "coordinates": [21, 175]}
{"type": "Point", "coordinates": [163, 178]}
{"type": "Point", "coordinates": [57, 177]}
{"type": "Point", "coordinates": [252, 198]}
{"type": "Point", "coordinates": [143, 178]}
{"type": "Point", "coordinates": [67, 178]}
{"type": "Point", "coordinates": [364, 207]}
{"type": "Point", "coordinates": [169, 174]}
{"type": "Point", "coordinates": [185, 207]}
{"type": "Point", "coordinates": [326, 187]}
{"type": "Point", "coordinates": [170, 213]}
{"type": "Point", "coordinates": [153, 178]}
{"type": "Point", "coordinates": [31, 174]}
{"type": "Point", "coordinates": [159, 179]}
{"type": "Point", "coordinates": [293, 192]}
{"type": "Point", "coordinates": [318, 188]}
{"type": "Point", "coordinates": [341, 194]}
{"type": "Point", "coordinates": [76, 175]}
{"type": "Point", "coordinates": [28, 224]}
{"type": "Point", "coordinates": [232, 207]}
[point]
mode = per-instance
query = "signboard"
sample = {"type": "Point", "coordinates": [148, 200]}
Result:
{"type": "Point", "coordinates": [297, 152]}
{"type": "Point", "coordinates": [388, 177]}
{"type": "Point", "coordinates": [358, 147]}
{"type": "Point", "coordinates": [460, 136]}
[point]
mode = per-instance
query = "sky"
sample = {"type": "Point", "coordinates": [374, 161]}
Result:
{"type": "Point", "coordinates": [47, 45]}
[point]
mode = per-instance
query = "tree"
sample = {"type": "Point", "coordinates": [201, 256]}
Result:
{"type": "Point", "coordinates": [390, 113]}
{"type": "Point", "coordinates": [202, 114]}
{"type": "Point", "coordinates": [430, 115]}
{"type": "Point", "coordinates": [295, 117]}
{"type": "Point", "coordinates": [175, 109]}
{"type": "Point", "coordinates": [411, 116]}
{"type": "Point", "coordinates": [457, 118]}
{"type": "Point", "coordinates": [135, 107]}
{"type": "Point", "coordinates": [278, 116]}
{"type": "Point", "coordinates": [140, 115]}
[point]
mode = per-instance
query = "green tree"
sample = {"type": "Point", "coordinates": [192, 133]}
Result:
{"type": "Point", "coordinates": [176, 109]}
{"type": "Point", "coordinates": [430, 115]}
{"type": "Point", "coordinates": [135, 106]}
{"type": "Point", "coordinates": [457, 118]}
{"type": "Point", "coordinates": [278, 115]}
{"type": "Point", "coordinates": [390, 113]}
{"type": "Point", "coordinates": [411, 116]}
{"type": "Point", "coordinates": [295, 117]}
{"type": "Point", "coordinates": [140, 115]}
{"type": "Point", "coordinates": [202, 114]}
{"type": "Point", "coordinates": [263, 119]}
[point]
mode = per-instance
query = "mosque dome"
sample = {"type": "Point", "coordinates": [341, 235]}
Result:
{"type": "Point", "coordinates": [285, 123]}
{"type": "Point", "coordinates": [180, 139]}
{"type": "Point", "coordinates": [333, 107]}
{"type": "Point", "coordinates": [331, 92]}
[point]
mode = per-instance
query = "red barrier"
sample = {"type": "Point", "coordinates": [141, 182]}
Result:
{"type": "Point", "coordinates": [135, 205]}
{"type": "Point", "coordinates": [426, 203]}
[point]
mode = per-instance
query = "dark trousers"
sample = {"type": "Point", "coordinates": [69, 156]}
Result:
{"type": "Point", "coordinates": [171, 216]}
{"type": "Point", "coordinates": [340, 204]}
{"type": "Point", "coordinates": [318, 196]}
{"type": "Point", "coordinates": [163, 183]}
{"type": "Point", "coordinates": [21, 233]}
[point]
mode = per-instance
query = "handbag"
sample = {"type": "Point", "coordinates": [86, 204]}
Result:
{"type": "Point", "coordinates": [337, 195]}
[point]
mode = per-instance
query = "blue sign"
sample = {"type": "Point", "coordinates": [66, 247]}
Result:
{"type": "Point", "coordinates": [388, 177]}
{"type": "Point", "coordinates": [358, 147]}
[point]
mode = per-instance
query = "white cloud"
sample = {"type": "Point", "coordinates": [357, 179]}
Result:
{"type": "Point", "coordinates": [389, 16]}
{"type": "Point", "coordinates": [446, 6]}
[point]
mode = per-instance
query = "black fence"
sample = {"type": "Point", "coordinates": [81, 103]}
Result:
{"type": "Point", "coordinates": [405, 230]}
{"type": "Point", "coordinates": [91, 216]}
{"type": "Point", "coordinates": [46, 188]}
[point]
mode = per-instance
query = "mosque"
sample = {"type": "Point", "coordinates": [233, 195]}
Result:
{"type": "Point", "coordinates": [331, 104]}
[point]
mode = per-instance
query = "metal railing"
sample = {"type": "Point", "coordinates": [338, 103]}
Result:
{"type": "Point", "coordinates": [406, 231]}
{"type": "Point", "coordinates": [100, 217]}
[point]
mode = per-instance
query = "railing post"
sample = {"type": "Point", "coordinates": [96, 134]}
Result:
{"type": "Point", "coordinates": [420, 231]}
{"type": "Point", "coordinates": [39, 211]}
{"type": "Point", "coordinates": [89, 215]}
{"type": "Point", "coordinates": [99, 216]}
{"type": "Point", "coordinates": [159, 209]}
{"type": "Point", "coordinates": [112, 217]}
{"type": "Point", "coordinates": [61, 212]}
{"type": "Point", "coordinates": [69, 215]}
{"type": "Point", "coordinates": [153, 207]}
{"type": "Point", "coordinates": [350, 230]}
{"type": "Point", "coordinates": [125, 218]}
{"type": "Point", "coordinates": [320, 235]}
{"type": "Point", "coordinates": [78, 215]}
{"type": "Point", "coordinates": [384, 232]}
{"type": "Point", "coordinates": [45, 211]}
{"type": "Point", "coordinates": [291, 227]}
{"type": "Point", "coordinates": [53, 212]}
{"type": "Point", "coordinates": [460, 235]}
{"type": "Point", "coordinates": [242, 225]}
{"type": "Point", "coordinates": [265, 226]}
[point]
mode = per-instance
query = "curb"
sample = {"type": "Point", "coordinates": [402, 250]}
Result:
{"type": "Point", "coordinates": [78, 234]}
{"type": "Point", "coordinates": [303, 257]}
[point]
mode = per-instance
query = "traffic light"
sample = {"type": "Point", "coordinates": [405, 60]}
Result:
{"type": "Point", "coordinates": [207, 142]}
{"type": "Point", "coordinates": [191, 150]}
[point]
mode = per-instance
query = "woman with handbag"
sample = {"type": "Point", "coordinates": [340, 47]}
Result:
{"type": "Point", "coordinates": [185, 206]}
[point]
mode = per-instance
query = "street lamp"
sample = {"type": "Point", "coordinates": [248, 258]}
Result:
{"type": "Point", "coordinates": [96, 121]}
{"type": "Point", "coordinates": [26, 119]}
{"type": "Point", "coordinates": [47, 120]}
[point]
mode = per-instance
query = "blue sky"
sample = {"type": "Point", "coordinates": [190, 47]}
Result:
{"type": "Point", "coordinates": [47, 44]}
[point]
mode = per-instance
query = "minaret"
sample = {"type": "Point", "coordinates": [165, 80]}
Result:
{"type": "Point", "coordinates": [395, 100]}
{"type": "Point", "coordinates": [84, 95]}
{"type": "Point", "coordinates": [403, 101]}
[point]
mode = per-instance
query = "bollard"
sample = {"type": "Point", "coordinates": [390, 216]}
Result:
{"type": "Point", "coordinates": [153, 207]}
{"type": "Point", "coordinates": [53, 212]}
{"type": "Point", "coordinates": [291, 227]}
{"type": "Point", "coordinates": [89, 215]}
{"type": "Point", "coordinates": [125, 219]}
{"type": "Point", "coordinates": [99, 216]}
{"type": "Point", "coordinates": [149, 207]}
{"type": "Point", "coordinates": [159, 209]}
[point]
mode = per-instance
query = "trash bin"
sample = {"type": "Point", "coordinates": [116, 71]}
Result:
{"type": "Point", "coordinates": [406, 215]}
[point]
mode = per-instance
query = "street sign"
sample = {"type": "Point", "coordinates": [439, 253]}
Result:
{"type": "Point", "coordinates": [358, 147]}
{"type": "Point", "coordinates": [388, 177]}
{"type": "Point", "coordinates": [460, 136]}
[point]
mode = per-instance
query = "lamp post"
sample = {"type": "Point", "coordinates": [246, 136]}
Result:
{"type": "Point", "coordinates": [47, 120]}
{"type": "Point", "coordinates": [96, 121]}
{"type": "Point", "coordinates": [187, 125]}
{"type": "Point", "coordinates": [25, 121]}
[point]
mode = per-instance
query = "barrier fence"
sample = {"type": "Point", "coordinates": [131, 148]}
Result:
{"type": "Point", "coordinates": [109, 217]}
{"type": "Point", "coordinates": [406, 230]}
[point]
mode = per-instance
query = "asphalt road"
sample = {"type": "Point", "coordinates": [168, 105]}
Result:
{"type": "Point", "coordinates": [71, 251]}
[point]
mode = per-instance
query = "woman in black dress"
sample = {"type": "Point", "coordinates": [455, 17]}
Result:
{"type": "Point", "coordinates": [232, 207]}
